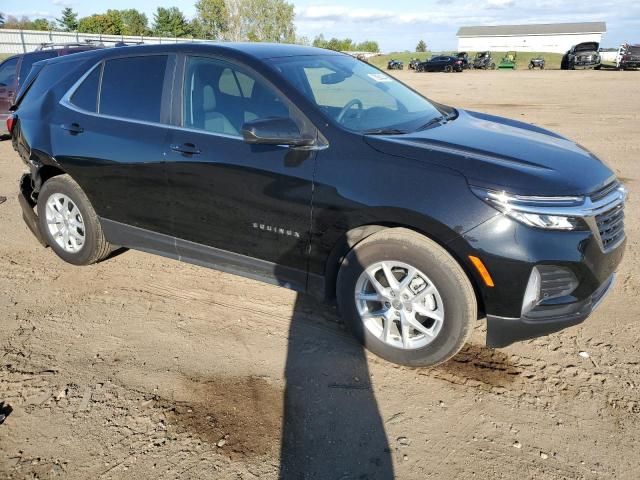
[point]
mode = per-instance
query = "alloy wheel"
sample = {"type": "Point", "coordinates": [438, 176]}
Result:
{"type": "Point", "coordinates": [399, 305]}
{"type": "Point", "coordinates": [65, 223]}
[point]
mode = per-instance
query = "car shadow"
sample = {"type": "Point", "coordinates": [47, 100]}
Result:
{"type": "Point", "coordinates": [332, 427]}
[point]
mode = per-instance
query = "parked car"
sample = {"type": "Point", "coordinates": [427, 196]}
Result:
{"type": "Point", "coordinates": [508, 62]}
{"type": "Point", "coordinates": [312, 170]}
{"type": "Point", "coordinates": [441, 63]}
{"type": "Point", "coordinates": [15, 69]}
{"type": "Point", "coordinates": [413, 64]}
{"type": "Point", "coordinates": [628, 57]}
{"type": "Point", "coordinates": [484, 61]}
{"type": "Point", "coordinates": [395, 65]}
{"type": "Point", "coordinates": [584, 55]}
{"type": "Point", "coordinates": [537, 62]}
{"type": "Point", "coordinates": [464, 57]}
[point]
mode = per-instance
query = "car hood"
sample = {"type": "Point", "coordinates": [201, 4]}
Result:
{"type": "Point", "coordinates": [586, 47]}
{"type": "Point", "coordinates": [504, 154]}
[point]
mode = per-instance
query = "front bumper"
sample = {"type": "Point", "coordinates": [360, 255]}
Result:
{"type": "Point", "coordinates": [511, 250]}
{"type": "Point", "coordinates": [503, 331]}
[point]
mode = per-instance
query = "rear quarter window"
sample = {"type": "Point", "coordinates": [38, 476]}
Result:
{"type": "Point", "coordinates": [132, 87]}
{"type": "Point", "coordinates": [86, 95]}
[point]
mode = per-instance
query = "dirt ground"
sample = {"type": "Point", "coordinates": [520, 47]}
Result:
{"type": "Point", "coordinates": [144, 367]}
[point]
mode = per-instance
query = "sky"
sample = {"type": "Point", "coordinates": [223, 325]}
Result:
{"type": "Point", "coordinates": [396, 24]}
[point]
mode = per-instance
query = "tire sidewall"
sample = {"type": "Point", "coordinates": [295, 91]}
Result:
{"type": "Point", "coordinates": [455, 327]}
{"type": "Point", "coordinates": [59, 185]}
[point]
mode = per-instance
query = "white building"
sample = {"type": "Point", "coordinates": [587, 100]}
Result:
{"type": "Point", "coordinates": [550, 37]}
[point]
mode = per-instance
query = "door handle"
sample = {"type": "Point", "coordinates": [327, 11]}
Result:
{"type": "Point", "coordinates": [72, 128]}
{"type": "Point", "coordinates": [185, 148]}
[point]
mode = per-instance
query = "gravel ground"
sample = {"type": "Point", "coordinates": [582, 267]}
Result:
{"type": "Point", "coordinates": [145, 367]}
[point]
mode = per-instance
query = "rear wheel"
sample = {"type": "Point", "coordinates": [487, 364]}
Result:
{"type": "Point", "coordinates": [493, 66]}
{"type": "Point", "coordinates": [448, 68]}
{"type": "Point", "coordinates": [405, 298]}
{"type": "Point", "coordinates": [69, 223]}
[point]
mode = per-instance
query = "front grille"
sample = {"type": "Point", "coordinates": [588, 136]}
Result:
{"type": "Point", "coordinates": [611, 226]}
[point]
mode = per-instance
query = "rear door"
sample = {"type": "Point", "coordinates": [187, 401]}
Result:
{"type": "Point", "coordinates": [113, 137]}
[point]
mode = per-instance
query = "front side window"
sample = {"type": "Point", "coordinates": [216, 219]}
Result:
{"type": "Point", "coordinates": [356, 95]}
{"type": "Point", "coordinates": [219, 98]}
{"type": "Point", "coordinates": [8, 72]}
{"type": "Point", "coordinates": [132, 87]}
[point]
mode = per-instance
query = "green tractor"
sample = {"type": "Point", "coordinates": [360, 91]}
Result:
{"type": "Point", "coordinates": [508, 61]}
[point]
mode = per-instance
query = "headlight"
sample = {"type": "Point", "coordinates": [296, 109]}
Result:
{"type": "Point", "coordinates": [551, 213]}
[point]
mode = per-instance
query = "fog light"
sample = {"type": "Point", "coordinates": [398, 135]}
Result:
{"type": "Point", "coordinates": [547, 282]}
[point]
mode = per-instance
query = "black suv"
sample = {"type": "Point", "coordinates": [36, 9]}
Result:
{"type": "Point", "coordinates": [313, 170]}
{"type": "Point", "coordinates": [14, 70]}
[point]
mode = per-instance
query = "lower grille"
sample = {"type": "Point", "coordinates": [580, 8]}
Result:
{"type": "Point", "coordinates": [611, 227]}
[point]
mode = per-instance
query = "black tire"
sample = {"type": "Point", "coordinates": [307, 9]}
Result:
{"type": "Point", "coordinates": [448, 68]}
{"type": "Point", "coordinates": [493, 66]}
{"type": "Point", "coordinates": [443, 270]}
{"type": "Point", "coordinates": [95, 247]}
{"type": "Point", "coordinates": [531, 67]}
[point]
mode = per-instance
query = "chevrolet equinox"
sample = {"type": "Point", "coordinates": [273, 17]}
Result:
{"type": "Point", "coordinates": [313, 170]}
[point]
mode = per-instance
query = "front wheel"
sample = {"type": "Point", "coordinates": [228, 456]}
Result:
{"type": "Point", "coordinates": [69, 223]}
{"type": "Point", "coordinates": [448, 69]}
{"type": "Point", "coordinates": [405, 298]}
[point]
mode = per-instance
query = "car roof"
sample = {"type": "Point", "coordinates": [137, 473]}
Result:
{"type": "Point", "coordinates": [260, 51]}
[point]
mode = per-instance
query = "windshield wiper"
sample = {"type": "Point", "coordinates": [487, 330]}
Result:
{"type": "Point", "coordinates": [437, 121]}
{"type": "Point", "coordinates": [384, 131]}
{"type": "Point", "coordinates": [433, 122]}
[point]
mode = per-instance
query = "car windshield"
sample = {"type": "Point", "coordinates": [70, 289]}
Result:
{"type": "Point", "coordinates": [356, 95]}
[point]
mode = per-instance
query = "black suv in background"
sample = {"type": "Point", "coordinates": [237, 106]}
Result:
{"type": "Point", "coordinates": [318, 172]}
{"type": "Point", "coordinates": [15, 69]}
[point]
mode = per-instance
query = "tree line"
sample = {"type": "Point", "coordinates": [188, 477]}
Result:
{"type": "Point", "coordinates": [234, 20]}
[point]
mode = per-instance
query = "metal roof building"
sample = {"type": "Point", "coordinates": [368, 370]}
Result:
{"type": "Point", "coordinates": [548, 37]}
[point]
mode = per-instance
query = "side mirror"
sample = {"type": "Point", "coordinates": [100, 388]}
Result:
{"type": "Point", "coordinates": [274, 131]}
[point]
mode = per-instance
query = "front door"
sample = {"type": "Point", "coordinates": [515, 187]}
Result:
{"type": "Point", "coordinates": [239, 207]}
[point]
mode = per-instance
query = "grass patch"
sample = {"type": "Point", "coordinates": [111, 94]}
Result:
{"type": "Point", "coordinates": [552, 59]}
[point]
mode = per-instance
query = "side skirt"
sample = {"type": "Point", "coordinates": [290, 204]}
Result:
{"type": "Point", "coordinates": [205, 256]}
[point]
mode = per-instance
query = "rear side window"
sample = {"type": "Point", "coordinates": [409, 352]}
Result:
{"type": "Point", "coordinates": [132, 87]}
{"type": "Point", "coordinates": [31, 58]}
{"type": "Point", "coordinates": [86, 95]}
{"type": "Point", "coordinates": [8, 72]}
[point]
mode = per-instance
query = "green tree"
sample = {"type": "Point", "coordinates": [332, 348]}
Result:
{"type": "Point", "coordinates": [41, 24]}
{"type": "Point", "coordinates": [1, 19]}
{"type": "Point", "coordinates": [109, 23]}
{"type": "Point", "coordinates": [170, 22]}
{"type": "Point", "coordinates": [134, 22]}
{"type": "Point", "coordinates": [421, 47]}
{"type": "Point", "coordinates": [213, 17]}
{"type": "Point", "coordinates": [319, 41]}
{"type": "Point", "coordinates": [69, 20]}
{"type": "Point", "coordinates": [368, 46]}
{"type": "Point", "coordinates": [268, 20]}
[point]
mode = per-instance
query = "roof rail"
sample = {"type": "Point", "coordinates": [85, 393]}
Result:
{"type": "Point", "coordinates": [46, 45]}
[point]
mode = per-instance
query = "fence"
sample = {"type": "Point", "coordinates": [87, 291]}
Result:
{"type": "Point", "coordinates": [19, 41]}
